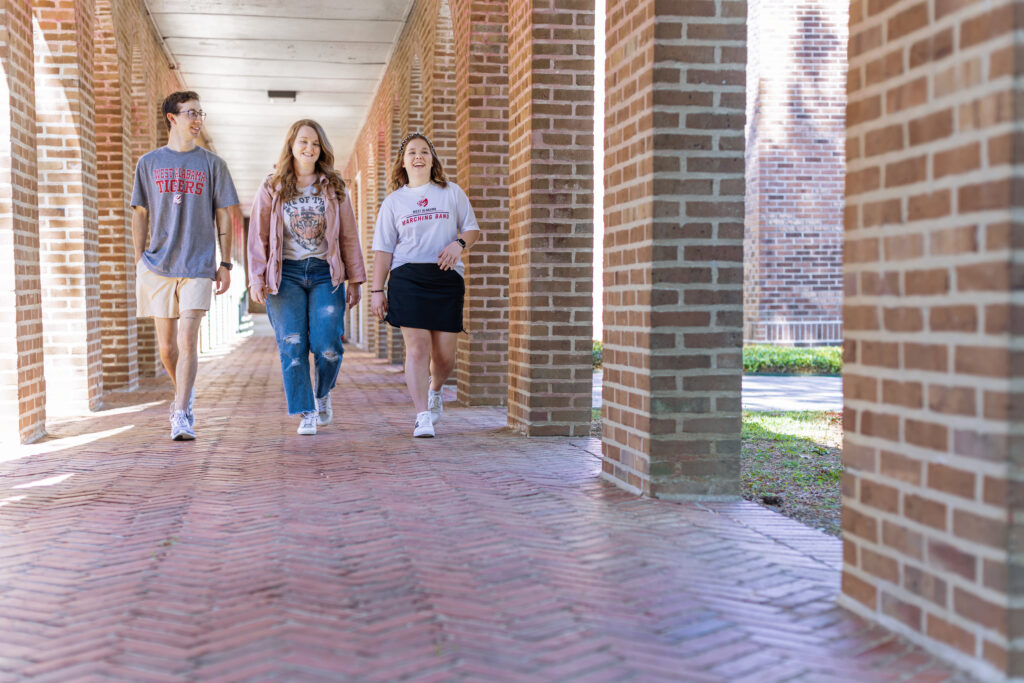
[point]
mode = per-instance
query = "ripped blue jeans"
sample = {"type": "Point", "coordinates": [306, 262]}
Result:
{"type": "Point", "coordinates": [308, 314]}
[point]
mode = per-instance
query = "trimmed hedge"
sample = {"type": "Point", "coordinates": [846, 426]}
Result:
{"type": "Point", "coordinates": [788, 360]}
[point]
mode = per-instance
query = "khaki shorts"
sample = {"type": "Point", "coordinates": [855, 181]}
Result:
{"type": "Point", "coordinates": [167, 297]}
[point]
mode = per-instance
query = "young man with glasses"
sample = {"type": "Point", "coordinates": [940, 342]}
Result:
{"type": "Point", "coordinates": [183, 205]}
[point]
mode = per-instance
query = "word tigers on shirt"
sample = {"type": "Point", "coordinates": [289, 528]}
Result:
{"type": "Point", "coordinates": [433, 215]}
{"type": "Point", "coordinates": [184, 180]}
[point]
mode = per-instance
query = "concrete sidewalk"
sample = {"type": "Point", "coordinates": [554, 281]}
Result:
{"type": "Point", "coordinates": [255, 554]}
{"type": "Point", "coordinates": [768, 393]}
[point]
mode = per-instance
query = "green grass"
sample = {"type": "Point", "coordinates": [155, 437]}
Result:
{"type": "Point", "coordinates": [791, 462]}
{"type": "Point", "coordinates": [788, 360]}
{"type": "Point", "coordinates": [598, 353]}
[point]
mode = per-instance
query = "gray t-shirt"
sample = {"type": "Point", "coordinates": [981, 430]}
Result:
{"type": "Point", "coordinates": [182, 191]}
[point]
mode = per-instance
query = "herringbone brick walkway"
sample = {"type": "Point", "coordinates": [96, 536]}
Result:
{"type": "Point", "coordinates": [363, 554]}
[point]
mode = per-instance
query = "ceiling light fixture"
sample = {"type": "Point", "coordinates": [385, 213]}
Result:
{"type": "Point", "coordinates": [281, 95]}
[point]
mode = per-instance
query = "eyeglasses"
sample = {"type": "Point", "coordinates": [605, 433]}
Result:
{"type": "Point", "coordinates": [194, 114]}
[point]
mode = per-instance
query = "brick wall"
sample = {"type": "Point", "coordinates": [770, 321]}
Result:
{"type": "Point", "coordinates": [114, 184]}
{"type": "Point", "coordinates": [932, 382]}
{"type": "Point", "coordinates": [22, 383]}
{"type": "Point", "coordinates": [464, 101]}
{"type": "Point", "coordinates": [439, 89]}
{"type": "Point", "coordinates": [551, 171]}
{"type": "Point", "coordinates": [482, 148]}
{"type": "Point", "coordinates": [394, 345]}
{"type": "Point", "coordinates": [68, 230]}
{"type": "Point", "coordinates": [674, 115]}
{"type": "Point", "coordinates": [796, 94]}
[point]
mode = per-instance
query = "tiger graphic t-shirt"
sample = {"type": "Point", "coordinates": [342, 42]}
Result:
{"type": "Point", "coordinates": [305, 226]}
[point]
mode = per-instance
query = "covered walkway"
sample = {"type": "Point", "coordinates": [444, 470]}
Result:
{"type": "Point", "coordinates": [256, 554]}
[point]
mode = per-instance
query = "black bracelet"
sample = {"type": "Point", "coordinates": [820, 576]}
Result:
{"type": "Point", "coordinates": [376, 291]}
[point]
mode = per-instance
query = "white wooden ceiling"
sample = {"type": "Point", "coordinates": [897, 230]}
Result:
{"type": "Point", "coordinates": [331, 52]}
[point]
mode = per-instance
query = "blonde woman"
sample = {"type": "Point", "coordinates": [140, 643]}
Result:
{"type": "Point", "coordinates": [303, 246]}
{"type": "Point", "coordinates": [423, 228]}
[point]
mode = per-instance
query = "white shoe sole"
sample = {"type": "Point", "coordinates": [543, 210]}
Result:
{"type": "Point", "coordinates": [423, 434]}
{"type": "Point", "coordinates": [306, 432]}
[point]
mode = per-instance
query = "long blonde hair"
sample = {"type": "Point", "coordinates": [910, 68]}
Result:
{"type": "Point", "coordinates": [399, 177]}
{"type": "Point", "coordinates": [283, 181]}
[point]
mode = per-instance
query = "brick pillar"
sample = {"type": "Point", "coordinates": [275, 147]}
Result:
{"type": "Point", "coordinates": [481, 76]}
{"type": "Point", "coordinates": [394, 344]}
{"type": "Point", "coordinates": [66, 147]}
{"type": "Point", "coordinates": [439, 91]}
{"type": "Point", "coordinates": [551, 223]}
{"type": "Point", "coordinates": [673, 275]}
{"type": "Point", "coordinates": [115, 173]}
{"type": "Point", "coordinates": [375, 332]}
{"type": "Point", "coordinates": [414, 103]}
{"type": "Point", "coordinates": [933, 378]}
{"type": "Point", "coordinates": [147, 132]}
{"type": "Point", "coordinates": [380, 187]}
{"type": "Point", "coordinates": [22, 384]}
{"type": "Point", "coordinates": [796, 96]}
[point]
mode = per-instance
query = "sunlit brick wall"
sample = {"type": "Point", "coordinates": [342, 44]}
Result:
{"type": "Point", "coordinates": [22, 384]}
{"type": "Point", "coordinates": [68, 230]}
{"type": "Point", "coordinates": [796, 95]}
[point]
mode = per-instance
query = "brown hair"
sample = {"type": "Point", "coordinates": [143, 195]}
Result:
{"type": "Point", "coordinates": [283, 180]}
{"type": "Point", "coordinates": [171, 102]}
{"type": "Point", "coordinates": [398, 175]}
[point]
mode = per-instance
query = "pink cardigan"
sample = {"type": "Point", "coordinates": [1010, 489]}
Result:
{"type": "Point", "coordinates": [266, 239]}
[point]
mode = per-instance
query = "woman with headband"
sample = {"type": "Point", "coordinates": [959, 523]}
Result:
{"type": "Point", "coordinates": [303, 246]}
{"type": "Point", "coordinates": [423, 228]}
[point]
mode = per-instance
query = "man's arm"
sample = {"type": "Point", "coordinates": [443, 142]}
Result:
{"type": "Point", "coordinates": [140, 230]}
{"type": "Point", "coordinates": [225, 230]}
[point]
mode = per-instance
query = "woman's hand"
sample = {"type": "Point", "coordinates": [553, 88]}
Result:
{"type": "Point", "coordinates": [379, 305]}
{"type": "Point", "coordinates": [353, 295]}
{"type": "Point", "coordinates": [258, 294]}
{"type": "Point", "coordinates": [449, 256]}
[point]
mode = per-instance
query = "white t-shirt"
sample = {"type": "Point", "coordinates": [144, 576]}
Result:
{"type": "Point", "coordinates": [305, 226]}
{"type": "Point", "coordinates": [416, 224]}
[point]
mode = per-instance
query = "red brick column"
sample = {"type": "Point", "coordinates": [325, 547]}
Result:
{"type": "Point", "coordinates": [394, 344]}
{"type": "Point", "coordinates": [376, 332]}
{"type": "Point", "coordinates": [933, 381]}
{"type": "Point", "coordinates": [22, 384]}
{"type": "Point", "coordinates": [673, 273]}
{"type": "Point", "coordinates": [439, 90]}
{"type": "Point", "coordinates": [551, 110]}
{"type": "Point", "coordinates": [115, 173]}
{"type": "Point", "coordinates": [66, 148]}
{"type": "Point", "coordinates": [413, 101]}
{"type": "Point", "coordinates": [481, 63]}
{"type": "Point", "coordinates": [796, 97]}
{"type": "Point", "coordinates": [147, 132]}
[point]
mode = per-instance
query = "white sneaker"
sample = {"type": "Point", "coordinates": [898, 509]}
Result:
{"type": "Point", "coordinates": [181, 430]}
{"type": "Point", "coordinates": [307, 426]}
{"type": "Point", "coordinates": [324, 410]}
{"type": "Point", "coordinates": [435, 405]}
{"type": "Point", "coordinates": [424, 427]}
{"type": "Point", "coordinates": [189, 413]}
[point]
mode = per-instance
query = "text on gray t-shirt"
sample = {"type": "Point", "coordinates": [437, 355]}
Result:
{"type": "Point", "coordinates": [182, 192]}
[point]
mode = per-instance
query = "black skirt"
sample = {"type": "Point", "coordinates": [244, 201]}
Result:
{"type": "Point", "coordinates": [423, 296]}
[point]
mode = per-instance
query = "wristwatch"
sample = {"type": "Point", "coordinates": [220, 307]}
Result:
{"type": "Point", "coordinates": [462, 242]}
{"type": "Point", "coordinates": [226, 264]}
